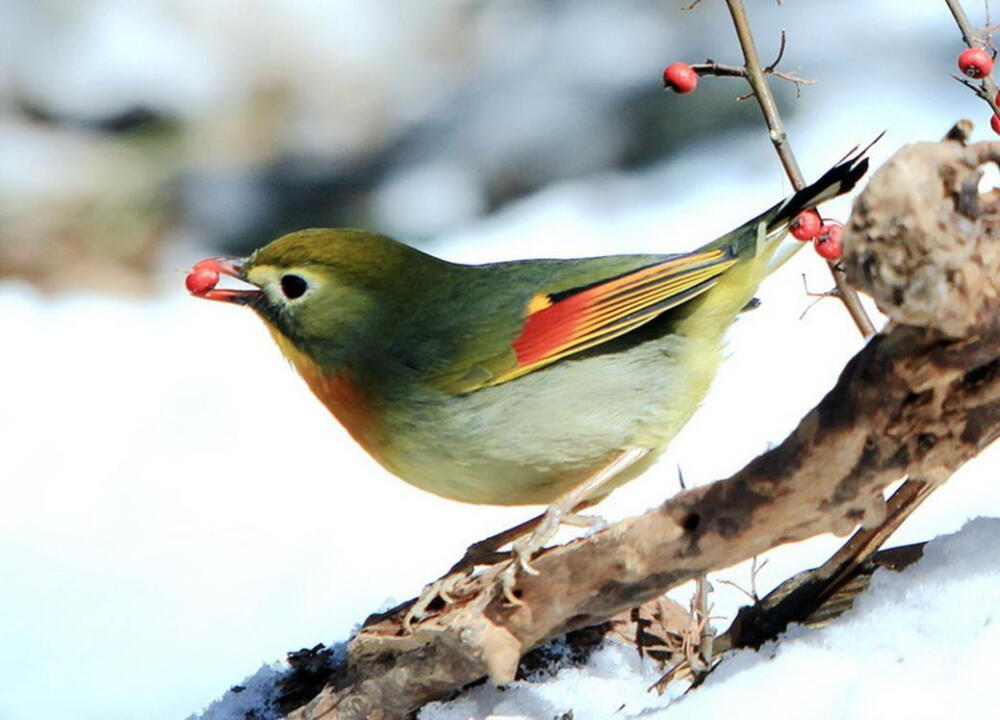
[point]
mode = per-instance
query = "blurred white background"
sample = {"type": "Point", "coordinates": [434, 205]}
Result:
{"type": "Point", "coordinates": [175, 508]}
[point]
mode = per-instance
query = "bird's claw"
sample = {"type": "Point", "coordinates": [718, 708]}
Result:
{"type": "Point", "coordinates": [526, 548]}
{"type": "Point", "coordinates": [443, 588]}
{"type": "Point", "coordinates": [508, 581]}
{"type": "Point", "coordinates": [527, 566]}
{"type": "Point", "coordinates": [448, 588]}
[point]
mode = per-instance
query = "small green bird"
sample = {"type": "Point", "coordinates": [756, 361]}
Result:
{"type": "Point", "coordinates": [515, 382]}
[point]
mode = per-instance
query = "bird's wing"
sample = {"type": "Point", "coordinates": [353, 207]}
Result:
{"type": "Point", "coordinates": [559, 324]}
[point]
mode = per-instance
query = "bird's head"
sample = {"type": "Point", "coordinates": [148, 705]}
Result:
{"type": "Point", "coordinates": [321, 290]}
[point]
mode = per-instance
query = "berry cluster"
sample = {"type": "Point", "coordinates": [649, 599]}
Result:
{"type": "Point", "coordinates": [825, 234]}
{"type": "Point", "coordinates": [977, 63]}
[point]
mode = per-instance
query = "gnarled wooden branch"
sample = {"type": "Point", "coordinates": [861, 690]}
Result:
{"type": "Point", "coordinates": [919, 400]}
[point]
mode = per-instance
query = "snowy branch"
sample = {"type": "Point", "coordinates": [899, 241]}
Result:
{"type": "Point", "coordinates": [919, 400]}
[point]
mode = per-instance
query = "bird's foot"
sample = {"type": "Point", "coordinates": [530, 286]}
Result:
{"type": "Point", "coordinates": [561, 512]}
{"type": "Point", "coordinates": [525, 548]}
{"type": "Point", "coordinates": [447, 589]}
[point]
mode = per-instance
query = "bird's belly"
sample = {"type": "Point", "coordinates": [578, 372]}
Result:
{"type": "Point", "coordinates": [529, 440]}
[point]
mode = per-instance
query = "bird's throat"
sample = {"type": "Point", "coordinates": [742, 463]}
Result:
{"type": "Point", "coordinates": [335, 389]}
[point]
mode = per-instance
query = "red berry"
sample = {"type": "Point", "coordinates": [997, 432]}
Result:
{"type": "Point", "coordinates": [805, 225]}
{"type": "Point", "coordinates": [680, 77]}
{"type": "Point", "coordinates": [827, 242]}
{"type": "Point", "coordinates": [200, 280]}
{"type": "Point", "coordinates": [975, 62]}
{"type": "Point", "coordinates": [995, 123]}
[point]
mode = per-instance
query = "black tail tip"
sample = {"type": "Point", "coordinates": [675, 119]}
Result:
{"type": "Point", "coordinates": [839, 179]}
{"type": "Point", "coordinates": [855, 164]}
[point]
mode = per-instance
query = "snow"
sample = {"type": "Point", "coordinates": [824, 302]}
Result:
{"type": "Point", "coordinates": [918, 644]}
{"type": "Point", "coordinates": [177, 509]}
{"type": "Point", "coordinates": [254, 695]}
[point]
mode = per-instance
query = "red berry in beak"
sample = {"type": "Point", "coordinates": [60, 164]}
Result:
{"type": "Point", "coordinates": [200, 280]}
{"type": "Point", "coordinates": [204, 276]}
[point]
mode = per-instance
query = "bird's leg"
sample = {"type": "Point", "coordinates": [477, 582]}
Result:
{"type": "Point", "coordinates": [483, 552]}
{"type": "Point", "coordinates": [542, 528]}
{"type": "Point", "coordinates": [559, 512]}
{"type": "Point", "coordinates": [486, 551]}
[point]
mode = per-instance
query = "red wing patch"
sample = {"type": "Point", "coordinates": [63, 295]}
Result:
{"type": "Point", "coordinates": [563, 324]}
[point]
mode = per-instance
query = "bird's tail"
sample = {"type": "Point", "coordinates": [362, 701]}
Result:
{"type": "Point", "coordinates": [745, 241]}
{"type": "Point", "coordinates": [758, 248]}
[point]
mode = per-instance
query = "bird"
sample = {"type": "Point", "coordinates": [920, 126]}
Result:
{"type": "Point", "coordinates": [526, 382]}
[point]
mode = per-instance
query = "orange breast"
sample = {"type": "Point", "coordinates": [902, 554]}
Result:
{"type": "Point", "coordinates": [336, 390]}
{"type": "Point", "coordinates": [347, 403]}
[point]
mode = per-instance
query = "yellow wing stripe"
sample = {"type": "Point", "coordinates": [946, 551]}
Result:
{"type": "Point", "coordinates": [651, 296]}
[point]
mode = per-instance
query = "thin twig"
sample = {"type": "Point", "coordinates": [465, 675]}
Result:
{"type": "Point", "coordinates": [737, 586]}
{"type": "Point", "coordinates": [962, 20]}
{"type": "Point", "coordinates": [772, 69]}
{"type": "Point", "coordinates": [776, 129]}
{"type": "Point", "coordinates": [818, 295]}
{"type": "Point", "coordinates": [781, 53]}
{"type": "Point", "coordinates": [758, 83]}
{"type": "Point", "coordinates": [794, 80]}
{"type": "Point", "coordinates": [755, 567]}
{"type": "Point", "coordinates": [710, 67]}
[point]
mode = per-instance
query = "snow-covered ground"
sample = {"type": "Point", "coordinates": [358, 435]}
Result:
{"type": "Point", "coordinates": [916, 645]}
{"type": "Point", "coordinates": [176, 509]}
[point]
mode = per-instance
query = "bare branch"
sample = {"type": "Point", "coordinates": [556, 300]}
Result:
{"type": "Point", "coordinates": [969, 36]}
{"type": "Point", "coordinates": [755, 76]}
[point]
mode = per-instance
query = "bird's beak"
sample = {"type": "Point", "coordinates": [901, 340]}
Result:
{"type": "Point", "coordinates": [202, 279]}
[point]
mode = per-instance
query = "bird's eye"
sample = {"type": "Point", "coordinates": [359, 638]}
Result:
{"type": "Point", "coordinates": [293, 286]}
